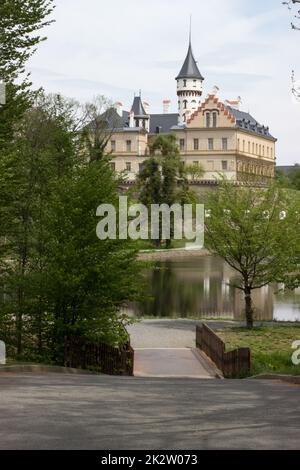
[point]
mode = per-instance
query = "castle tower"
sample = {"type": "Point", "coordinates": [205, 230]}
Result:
{"type": "Point", "coordinates": [189, 87]}
{"type": "Point", "coordinates": [138, 115]}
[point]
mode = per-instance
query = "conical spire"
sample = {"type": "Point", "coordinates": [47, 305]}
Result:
{"type": "Point", "coordinates": [190, 67]}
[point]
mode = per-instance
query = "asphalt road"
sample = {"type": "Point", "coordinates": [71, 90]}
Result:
{"type": "Point", "coordinates": [53, 411]}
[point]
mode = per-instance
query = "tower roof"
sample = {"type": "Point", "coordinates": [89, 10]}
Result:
{"type": "Point", "coordinates": [137, 107]}
{"type": "Point", "coordinates": [190, 67]}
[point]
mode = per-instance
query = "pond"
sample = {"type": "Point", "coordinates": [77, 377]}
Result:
{"type": "Point", "coordinates": [199, 287]}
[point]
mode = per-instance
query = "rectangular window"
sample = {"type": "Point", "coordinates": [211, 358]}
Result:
{"type": "Point", "coordinates": [113, 145]}
{"type": "Point", "coordinates": [141, 167]}
{"type": "Point", "coordinates": [196, 163]}
{"type": "Point", "coordinates": [182, 144]}
{"type": "Point", "coordinates": [214, 119]}
{"type": "Point", "coordinates": [210, 165]}
{"type": "Point", "coordinates": [210, 144]}
{"type": "Point", "coordinates": [128, 145]}
{"type": "Point", "coordinates": [196, 144]}
{"type": "Point", "coordinates": [113, 166]}
{"type": "Point", "coordinates": [207, 119]}
{"type": "Point", "coordinates": [128, 166]}
{"type": "Point", "coordinates": [224, 165]}
{"type": "Point", "coordinates": [224, 144]}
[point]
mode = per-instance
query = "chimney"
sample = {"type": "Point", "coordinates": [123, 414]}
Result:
{"type": "Point", "coordinates": [166, 106]}
{"type": "Point", "coordinates": [131, 119]}
{"type": "Point", "coordinates": [146, 106]}
{"type": "Point", "coordinates": [235, 104]}
{"type": "Point", "coordinates": [215, 90]}
{"type": "Point", "coordinates": [119, 108]}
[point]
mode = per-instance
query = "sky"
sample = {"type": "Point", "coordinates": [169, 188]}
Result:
{"type": "Point", "coordinates": [245, 47]}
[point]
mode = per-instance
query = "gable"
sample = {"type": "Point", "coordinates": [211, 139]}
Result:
{"type": "Point", "coordinates": [225, 118]}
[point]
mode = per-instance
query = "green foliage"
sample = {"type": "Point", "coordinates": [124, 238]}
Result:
{"type": "Point", "coordinates": [271, 347]}
{"type": "Point", "coordinates": [195, 171]}
{"type": "Point", "coordinates": [247, 230]}
{"type": "Point", "coordinates": [56, 276]}
{"type": "Point", "coordinates": [20, 21]}
{"type": "Point", "coordinates": [163, 179]}
{"type": "Point", "coordinates": [289, 180]}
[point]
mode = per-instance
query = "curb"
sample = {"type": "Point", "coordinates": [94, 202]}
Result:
{"type": "Point", "coordinates": [293, 379]}
{"type": "Point", "coordinates": [36, 368]}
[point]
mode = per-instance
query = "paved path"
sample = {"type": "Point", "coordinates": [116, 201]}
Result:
{"type": "Point", "coordinates": [54, 411]}
{"type": "Point", "coordinates": [166, 348]}
{"type": "Point", "coordinates": [169, 333]}
{"type": "Point", "coordinates": [184, 362]}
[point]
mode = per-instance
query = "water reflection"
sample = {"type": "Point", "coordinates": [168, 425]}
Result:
{"type": "Point", "coordinates": [199, 287]}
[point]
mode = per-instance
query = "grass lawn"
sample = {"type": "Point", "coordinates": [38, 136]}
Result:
{"type": "Point", "coordinates": [271, 347]}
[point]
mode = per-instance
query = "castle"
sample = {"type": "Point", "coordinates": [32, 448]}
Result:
{"type": "Point", "coordinates": [218, 136]}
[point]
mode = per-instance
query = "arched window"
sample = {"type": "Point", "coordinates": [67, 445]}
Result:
{"type": "Point", "coordinates": [185, 104]}
{"type": "Point", "coordinates": [194, 104]}
{"type": "Point", "coordinates": [184, 118]}
{"type": "Point", "coordinates": [184, 83]}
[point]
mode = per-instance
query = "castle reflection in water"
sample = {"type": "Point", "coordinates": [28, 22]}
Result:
{"type": "Point", "coordinates": [199, 287]}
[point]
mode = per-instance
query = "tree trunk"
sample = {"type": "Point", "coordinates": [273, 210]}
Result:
{"type": "Point", "coordinates": [249, 308]}
{"type": "Point", "coordinates": [19, 322]}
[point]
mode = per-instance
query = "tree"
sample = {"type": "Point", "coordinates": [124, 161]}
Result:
{"type": "Point", "coordinates": [256, 232]}
{"type": "Point", "coordinates": [291, 179]}
{"type": "Point", "coordinates": [289, 5]}
{"type": "Point", "coordinates": [99, 119]}
{"type": "Point", "coordinates": [42, 152]}
{"type": "Point", "coordinates": [56, 276]}
{"type": "Point", "coordinates": [20, 20]}
{"type": "Point", "coordinates": [195, 171]}
{"type": "Point", "coordinates": [163, 179]}
{"type": "Point", "coordinates": [87, 280]}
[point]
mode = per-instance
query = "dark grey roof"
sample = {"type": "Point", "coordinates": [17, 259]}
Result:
{"type": "Point", "coordinates": [190, 67]}
{"type": "Point", "coordinates": [247, 122]}
{"type": "Point", "coordinates": [162, 122]}
{"type": "Point", "coordinates": [137, 107]}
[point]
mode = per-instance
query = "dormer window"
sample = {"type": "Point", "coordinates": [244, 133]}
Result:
{"type": "Point", "coordinates": [207, 119]}
{"type": "Point", "coordinates": [214, 119]}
